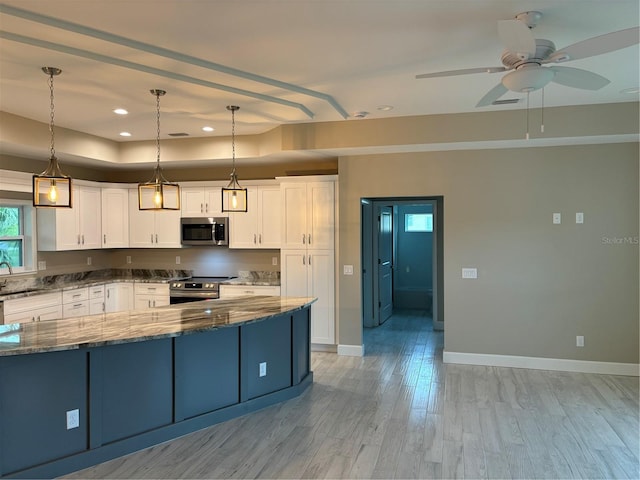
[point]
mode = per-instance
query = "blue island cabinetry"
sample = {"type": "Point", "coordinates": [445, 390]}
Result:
{"type": "Point", "coordinates": [62, 411]}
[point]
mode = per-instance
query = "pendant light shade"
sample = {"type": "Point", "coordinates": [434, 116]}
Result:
{"type": "Point", "coordinates": [234, 197]}
{"type": "Point", "coordinates": [158, 193]}
{"type": "Point", "coordinates": [52, 188]}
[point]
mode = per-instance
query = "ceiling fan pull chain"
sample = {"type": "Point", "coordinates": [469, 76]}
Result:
{"type": "Point", "coordinates": [542, 113]}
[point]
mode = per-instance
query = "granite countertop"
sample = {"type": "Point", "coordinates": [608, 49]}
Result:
{"type": "Point", "coordinates": [141, 325]}
{"type": "Point", "coordinates": [256, 278]}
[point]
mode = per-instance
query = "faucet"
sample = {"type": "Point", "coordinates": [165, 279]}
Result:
{"type": "Point", "coordinates": [8, 265]}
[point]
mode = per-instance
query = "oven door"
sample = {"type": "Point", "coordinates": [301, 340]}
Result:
{"type": "Point", "coordinates": [183, 297]}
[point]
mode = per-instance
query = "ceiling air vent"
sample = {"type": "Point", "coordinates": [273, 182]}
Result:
{"type": "Point", "coordinates": [507, 101]}
{"type": "Point", "coordinates": [179, 134]}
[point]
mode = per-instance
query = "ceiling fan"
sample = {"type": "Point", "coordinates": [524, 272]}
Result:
{"type": "Point", "coordinates": [525, 57]}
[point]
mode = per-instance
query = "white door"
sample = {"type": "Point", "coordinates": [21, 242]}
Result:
{"type": "Point", "coordinates": [294, 215]}
{"type": "Point", "coordinates": [294, 273]}
{"type": "Point", "coordinates": [269, 217]}
{"type": "Point", "coordinates": [67, 229]}
{"type": "Point", "coordinates": [213, 202]}
{"type": "Point", "coordinates": [141, 224]}
{"type": "Point", "coordinates": [115, 218]}
{"type": "Point", "coordinates": [90, 215]}
{"type": "Point", "coordinates": [193, 202]}
{"type": "Point", "coordinates": [244, 225]}
{"type": "Point", "coordinates": [167, 229]}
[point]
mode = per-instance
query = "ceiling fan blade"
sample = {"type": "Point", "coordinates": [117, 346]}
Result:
{"type": "Point", "coordinates": [578, 78]}
{"type": "Point", "coordinates": [465, 71]}
{"type": "Point", "coordinates": [517, 38]}
{"type": "Point", "coordinates": [591, 47]}
{"type": "Point", "coordinates": [492, 95]}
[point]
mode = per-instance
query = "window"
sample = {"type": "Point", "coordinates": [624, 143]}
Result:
{"type": "Point", "coordinates": [16, 238]}
{"type": "Point", "coordinates": [418, 222]}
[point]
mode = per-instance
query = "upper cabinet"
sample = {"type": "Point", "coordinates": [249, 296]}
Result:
{"type": "Point", "coordinates": [152, 229]}
{"type": "Point", "coordinates": [202, 202]}
{"type": "Point", "coordinates": [115, 217]}
{"type": "Point", "coordinates": [74, 228]}
{"type": "Point", "coordinates": [260, 225]}
{"type": "Point", "coordinates": [308, 214]}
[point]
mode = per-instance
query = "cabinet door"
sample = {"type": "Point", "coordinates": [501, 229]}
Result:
{"type": "Point", "coordinates": [193, 202]}
{"type": "Point", "coordinates": [115, 218]}
{"type": "Point", "coordinates": [213, 202]}
{"type": "Point", "coordinates": [294, 273]}
{"type": "Point", "coordinates": [53, 312]}
{"type": "Point", "coordinates": [119, 297]}
{"type": "Point", "coordinates": [67, 230]}
{"type": "Point", "coordinates": [244, 225]}
{"type": "Point", "coordinates": [141, 224]}
{"type": "Point", "coordinates": [294, 215]}
{"type": "Point", "coordinates": [320, 211]}
{"type": "Point", "coordinates": [167, 229]}
{"type": "Point", "coordinates": [321, 285]}
{"type": "Point", "coordinates": [96, 306]}
{"type": "Point", "coordinates": [269, 217]}
{"type": "Point", "coordinates": [79, 309]}
{"type": "Point", "coordinates": [21, 317]}
{"type": "Point", "coordinates": [89, 217]}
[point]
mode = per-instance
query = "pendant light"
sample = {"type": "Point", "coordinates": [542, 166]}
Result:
{"type": "Point", "coordinates": [158, 193]}
{"type": "Point", "coordinates": [52, 188]}
{"type": "Point", "coordinates": [234, 197]}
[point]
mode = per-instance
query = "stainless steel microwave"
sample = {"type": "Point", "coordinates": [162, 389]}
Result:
{"type": "Point", "coordinates": [204, 231]}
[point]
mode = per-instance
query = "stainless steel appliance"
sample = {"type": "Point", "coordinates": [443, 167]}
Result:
{"type": "Point", "coordinates": [194, 289]}
{"type": "Point", "coordinates": [204, 231]}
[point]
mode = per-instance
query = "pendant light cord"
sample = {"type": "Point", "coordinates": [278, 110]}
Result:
{"type": "Point", "coordinates": [158, 125]}
{"type": "Point", "coordinates": [233, 137]}
{"type": "Point", "coordinates": [51, 116]}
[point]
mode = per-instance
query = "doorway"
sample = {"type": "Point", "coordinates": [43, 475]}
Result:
{"type": "Point", "coordinates": [402, 257]}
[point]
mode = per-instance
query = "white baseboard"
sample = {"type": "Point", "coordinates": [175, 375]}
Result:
{"type": "Point", "coordinates": [323, 347]}
{"type": "Point", "coordinates": [351, 350]}
{"type": "Point", "coordinates": [539, 363]}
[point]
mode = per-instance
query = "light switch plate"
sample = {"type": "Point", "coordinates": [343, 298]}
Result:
{"type": "Point", "coordinates": [347, 269]}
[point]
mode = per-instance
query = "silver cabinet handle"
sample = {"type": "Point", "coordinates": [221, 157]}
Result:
{"type": "Point", "coordinates": [254, 238]}
{"type": "Point", "coordinates": [156, 238]}
{"type": "Point", "coordinates": [103, 307]}
{"type": "Point", "coordinates": [78, 239]}
{"type": "Point", "coordinates": [304, 259]}
{"type": "Point", "coordinates": [105, 238]}
{"type": "Point", "coordinates": [83, 238]}
{"type": "Point", "coordinates": [309, 259]}
{"type": "Point", "coordinates": [309, 242]}
{"type": "Point", "coordinates": [206, 207]}
{"type": "Point", "coordinates": [152, 238]}
{"type": "Point", "coordinates": [260, 238]}
{"type": "Point", "coordinates": [149, 303]}
{"type": "Point", "coordinates": [201, 208]}
{"type": "Point", "coordinates": [77, 305]}
{"type": "Point", "coordinates": [37, 319]}
{"type": "Point", "coordinates": [108, 293]}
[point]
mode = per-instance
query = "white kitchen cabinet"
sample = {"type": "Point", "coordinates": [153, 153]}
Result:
{"type": "Point", "coordinates": [96, 299]}
{"type": "Point", "coordinates": [45, 306]}
{"type": "Point", "coordinates": [75, 302]}
{"type": "Point", "coordinates": [74, 228]}
{"type": "Point", "coordinates": [310, 273]}
{"type": "Point", "coordinates": [260, 226]}
{"type": "Point", "coordinates": [230, 291]}
{"type": "Point", "coordinates": [118, 297]}
{"type": "Point", "coordinates": [115, 217]}
{"type": "Point", "coordinates": [308, 249]}
{"type": "Point", "coordinates": [150, 295]}
{"type": "Point", "coordinates": [202, 202]}
{"type": "Point", "coordinates": [308, 213]}
{"type": "Point", "coordinates": [150, 228]}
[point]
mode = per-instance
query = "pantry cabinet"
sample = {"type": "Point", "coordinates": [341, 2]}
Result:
{"type": "Point", "coordinates": [115, 217]}
{"type": "Point", "coordinates": [74, 228]}
{"type": "Point", "coordinates": [202, 202]}
{"type": "Point", "coordinates": [308, 249]}
{"type": "Point", "coordinates": [260, 226]}
{"type": "Point", "coordinates": [150, 228]}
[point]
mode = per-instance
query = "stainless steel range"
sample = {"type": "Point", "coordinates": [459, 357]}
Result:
{"type": "Point", "coordinates": [195, 288]}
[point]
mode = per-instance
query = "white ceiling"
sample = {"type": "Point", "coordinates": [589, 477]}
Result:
{"type": "Point", "coordinates": [346, 56]}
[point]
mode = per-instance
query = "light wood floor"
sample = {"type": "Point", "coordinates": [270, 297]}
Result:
{"type": "Point", "coordinates": [399, 412]}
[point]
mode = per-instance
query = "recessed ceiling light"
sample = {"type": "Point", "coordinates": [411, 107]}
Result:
{"type": "Point", "coordinates": [632, 90]}
{"type": "Point", "coordinates": [125, 134]}
{"type": "Point", "coordinates": [384, 108]}
{"type": "Point", "coordinates": [120, 111]}
{"type": "Point", "coordinates": [361, 114]}
{"type": "Point", "coordinates": [208, 129]}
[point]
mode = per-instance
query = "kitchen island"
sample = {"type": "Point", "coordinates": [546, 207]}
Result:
{"type": "Point", "coordinates": [80, 391]}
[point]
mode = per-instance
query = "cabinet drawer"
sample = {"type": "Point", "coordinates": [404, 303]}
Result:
{"type": "Point", "coordinates": [76, 309]}
{"type": "Point", "coordinates": [32, 302]}
{"type": "Point", "coordinates": [96, 292]}
{"type": "Point", "coordinates": [151, 288]}
{"type": "Point", "coordinates": [227, 291]}
{"type": "Point", "coordinates": [75, 295]}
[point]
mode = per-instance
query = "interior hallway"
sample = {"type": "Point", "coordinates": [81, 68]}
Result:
{"type": "Point", "coordinates": [399, 412]}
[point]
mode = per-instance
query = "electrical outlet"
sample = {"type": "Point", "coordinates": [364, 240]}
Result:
{"type": "Point", "coordinates": [42, 265]}
{"type": "Point", "coordinates": [88, 260]}
{"type": "Point", "coordinates": [177, 259]}
{"type": "Point", "coordinates": [469, 273]}
{"type": "Point", "coordinates": [73, 419]}
{"type": "Point", "coordinates": [263, 369]}
{"type": "Point", "coordinates": [579, 217]}
{"type": "Point", "coordinates": [557, 219]}
{"type": "Point", "coordinates": [579, 341]}
{"type": "Point", "coordinates": [274, 260]}
{"type": "Point", "coordinates": [128, 258]}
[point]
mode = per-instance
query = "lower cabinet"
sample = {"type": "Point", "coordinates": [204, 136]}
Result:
{"type": "Point", "coordinates": [46, 306]}
{"type": "Point", "coordinates": [230, 291]}
{"type": "Point", "coordinates": [75, 303]}
{"type": "Point", "coordinates": [150, 295]}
